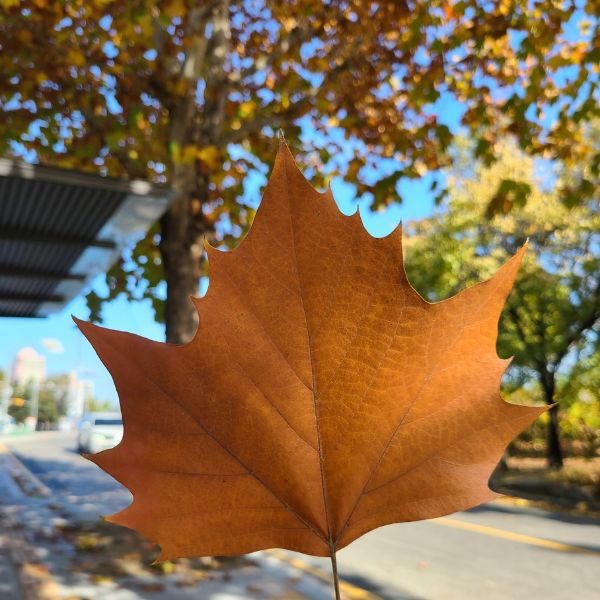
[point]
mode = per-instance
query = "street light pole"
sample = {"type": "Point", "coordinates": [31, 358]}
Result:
{"type": "Point", "coordinates": [35, 402]}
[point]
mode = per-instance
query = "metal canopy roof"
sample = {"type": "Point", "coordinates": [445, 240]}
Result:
{"type": "Point", "coordinates": [60, 228]}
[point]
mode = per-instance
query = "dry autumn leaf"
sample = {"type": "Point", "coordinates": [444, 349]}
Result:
{"type": "Point", "coordinates": [321, 397]}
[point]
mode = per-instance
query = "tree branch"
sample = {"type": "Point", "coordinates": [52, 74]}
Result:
{"type": "Point", "coordinates": [131, 169]}
{"type": "Point", "coordinates": [588, 322]}
{"type": "Point", "coordinates": [514, 317]}
{"type": "Point", "coordinates": [279, 118]}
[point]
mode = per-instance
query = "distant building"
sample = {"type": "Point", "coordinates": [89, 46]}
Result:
{"type": "Point", "coordinates": [79, 392]}
{"type": "Point", "coordinates": [28, 367]}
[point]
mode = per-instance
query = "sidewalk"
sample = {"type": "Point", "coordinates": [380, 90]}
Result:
{"type": "Point", "coordinates": [22, 576]}
{"type": "Point", "coordinates": [9, 584]}
{"type": "Point", "coordinates": [46, 555]}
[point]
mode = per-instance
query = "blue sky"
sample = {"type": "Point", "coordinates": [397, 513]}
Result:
{"type": "Point", "coordinates": [137, 317]}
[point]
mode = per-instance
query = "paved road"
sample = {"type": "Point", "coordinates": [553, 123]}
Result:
{"type": "Point", "coordinates": [494, 552]}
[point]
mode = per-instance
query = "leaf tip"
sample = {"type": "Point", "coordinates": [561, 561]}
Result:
{"type": "Point", "coordinates": [83, 326]}
{"type": "Point", "coordinates": [110, 519]}
{"type": "Point", "coordinates": [208, 247]}
{"type": "Point", "coordinates": [521, 251]}
{"type": "Point", "coordinates": [281, 137]}
{"type": "Point", "coordinates": [508, 271]}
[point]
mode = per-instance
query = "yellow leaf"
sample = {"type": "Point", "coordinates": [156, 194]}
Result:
{"type": "Point", "coordinates": [146, 24]}
{"type": "Point", "coordinates": [289, 23]}
{"type": "Point", "coordinates": [189, 154]}
{"type": "Point", "coordinates": [246, 109]}
{"type": "Point", "coordinates": [76, 57]}
{"type": "Point", "coordinates": [175, 8]}
{"type": "Point", "coordinates": [210, 156]}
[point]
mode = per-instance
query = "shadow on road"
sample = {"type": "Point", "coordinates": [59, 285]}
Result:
{"type": "Point", "coordinates": [555, 516]}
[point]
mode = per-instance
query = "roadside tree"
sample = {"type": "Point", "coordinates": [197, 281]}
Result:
{"type": "Point", "coordinates": [553, 314]}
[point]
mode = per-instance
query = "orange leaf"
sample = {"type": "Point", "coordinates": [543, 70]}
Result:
{"type": "Point", "coordinates": [320, 398]}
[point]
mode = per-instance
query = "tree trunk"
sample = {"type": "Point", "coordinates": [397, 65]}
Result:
{"type": "Point", "coordinates": [181, 251]}
{"type": "Point", "coordinates": [555, 455]}
{"type": "Point", "coordinates": [196, 124]}
{"type": "Point", "coordinates": [554, 451]}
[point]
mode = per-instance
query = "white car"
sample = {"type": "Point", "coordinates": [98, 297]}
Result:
{"type": "Point", "coordinates": [99, 431]}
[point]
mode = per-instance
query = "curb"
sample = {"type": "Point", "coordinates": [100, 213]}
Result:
{"type": "Point", "coordinates": [350, 591]}
{"type": "Point", "coordinates": [33, 580]}
{"type": "Point", "coordinates": [23, 477]}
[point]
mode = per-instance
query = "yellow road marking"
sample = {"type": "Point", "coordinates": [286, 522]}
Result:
{"type": "Point", "coordinates": [352, 592]}
{"type": "Point", "coordinates": [515, 537]}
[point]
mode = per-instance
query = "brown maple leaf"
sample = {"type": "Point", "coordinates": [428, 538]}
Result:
{"type": "Point", "coordinates": [321, 397]}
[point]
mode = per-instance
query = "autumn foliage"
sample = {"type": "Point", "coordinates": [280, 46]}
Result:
{"type": "Point", "coordinates": [189, 94]}
{"type": "Point", "coordinates": [321, 397]}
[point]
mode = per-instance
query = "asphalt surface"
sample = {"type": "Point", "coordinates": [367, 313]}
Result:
{"type": "Point", "coordinates": [496, 551]}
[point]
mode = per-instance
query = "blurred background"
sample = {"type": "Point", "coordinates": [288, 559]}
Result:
{"type": "Point", "coordinates": [132, 131]}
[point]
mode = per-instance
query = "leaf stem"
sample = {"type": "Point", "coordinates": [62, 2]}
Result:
{"type": "Point", "coordinates": [336, 581]}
